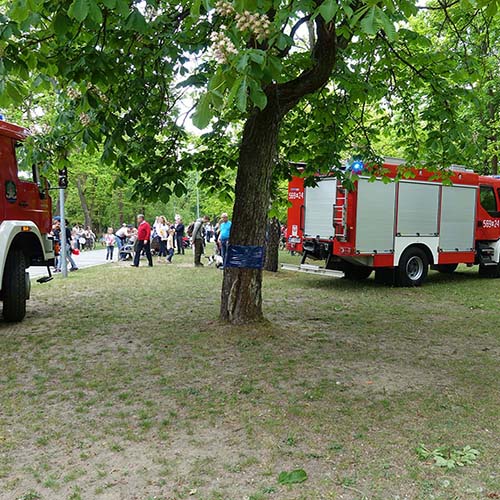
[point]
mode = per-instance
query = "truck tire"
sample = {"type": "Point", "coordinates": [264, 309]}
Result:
{"type": "Point", "coordinates": [385, 276]}
{"type": "Point", "coordinates": [15, 287]}
{"type": "Point", "coordinates": [413, 267]}
{"type": "Point", "coordinates": [446, 268]}
{"type": "Point", "coordinates": [489, 271]}
{"type": "Point", "coordinates": [357, 273]}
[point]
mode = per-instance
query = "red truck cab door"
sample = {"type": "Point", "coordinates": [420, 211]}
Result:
{"type": "Point", "coordinates": [488, 211]}
{"type": "Point", "coordinates": [21, 199]}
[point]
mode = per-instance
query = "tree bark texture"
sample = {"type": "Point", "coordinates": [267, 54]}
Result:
{"type": "Point", "coordinates": [273, 245]}
{"type": "Point", "coordinates": [241, 298]}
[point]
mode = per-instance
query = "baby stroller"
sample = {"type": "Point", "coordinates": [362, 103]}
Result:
{"type": "Point", "coordinates": [126, 251]}
{"type": "Point", "coordinates": [155, 246]}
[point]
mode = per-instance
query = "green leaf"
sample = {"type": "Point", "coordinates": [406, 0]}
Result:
{"type": "Point", "coordinates": [328, 9]}
{"type": "Point", "coordinates": [60, 24]}
{"type": "Point", "coordinates": [203, 114]}
{"type": "Point", "coordinates": [179, 190]}
{"type": "Point", "coordinates": [387, 25]}
{"type": "Point", "coordinates": [195, 8]}
{"type": "Point", "coordinates": [79, 10]}
{"type": "Point", "coordinates": [258, 56]}
{"type": "Point", "coordinates": [368, 22]}
{"type": "Point", "coordinates": [110, 4]}
{"type": "Point", "coordinates": [257, 95]}
{"type": "Point", "coordinates": [95, 12]}
{"type": "Point", "coordinates": [136, 22]}
{"type": "Point", "coordinates": [19, 10]}
{"type": "Point", "coordinates": [241, 96]}
{"type": "Point", "coordinates": [233, 91]}
{"type": "Point", "coordinates": [294, 477]}
{"type": "Point", "coordinates": [122, 7]}
{"type": "Point", "coordinates": [242, 63]}
{"type": "Point", "coordinates": [217, 82]}
{"type": "Point", "coordinates": [275, 66]}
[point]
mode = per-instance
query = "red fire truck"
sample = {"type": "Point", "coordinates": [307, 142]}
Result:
{"type": "Point", "coordinates": [25, 225]}
{"type": "Point", "coordinates": [396, 225]}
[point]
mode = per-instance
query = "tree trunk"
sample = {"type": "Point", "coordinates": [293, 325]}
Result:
{"type": "Point", "coordinates": [80, 183]}
{"type": "Point", "coordinates": [241, 300]}
{"type": "Point", "coordinates": [120, 207]}
{"type": "Point", "coordinates": [273, 245]}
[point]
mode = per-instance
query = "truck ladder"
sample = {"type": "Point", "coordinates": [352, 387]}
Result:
{"type": "Point", "coordinates": [340, 215]}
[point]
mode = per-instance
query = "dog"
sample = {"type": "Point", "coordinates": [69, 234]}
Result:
{"type": "Point", "coordinates": [214, 259]}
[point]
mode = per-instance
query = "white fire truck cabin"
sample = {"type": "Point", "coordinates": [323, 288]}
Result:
{"type": "Point", "coordinates": [398, 227]}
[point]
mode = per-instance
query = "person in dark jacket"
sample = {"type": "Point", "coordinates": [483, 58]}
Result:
{"type": "Point", "coordinates": [198, 239]}
{"type": "Point", "coordinates": [179, 234]}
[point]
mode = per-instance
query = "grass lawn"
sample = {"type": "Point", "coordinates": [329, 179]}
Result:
{"type": "Point", "coordinates": [122, 384]}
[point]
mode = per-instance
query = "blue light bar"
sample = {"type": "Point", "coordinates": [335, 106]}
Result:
{"type": "Point", "coordinates": [357, 167]}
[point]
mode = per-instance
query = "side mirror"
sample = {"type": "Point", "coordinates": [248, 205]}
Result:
{"type": "Point", "coordinates": [40, 182]}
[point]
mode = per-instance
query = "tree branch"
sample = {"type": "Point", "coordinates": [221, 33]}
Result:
{"type": "Point", "coordinates": [324, 57]}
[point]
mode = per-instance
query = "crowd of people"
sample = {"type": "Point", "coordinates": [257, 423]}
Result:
{"type": "Point", "coordinates": [162, 239]}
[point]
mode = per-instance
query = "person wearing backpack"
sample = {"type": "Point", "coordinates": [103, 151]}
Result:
{"type": "Point", "coordinates": [198, 239]}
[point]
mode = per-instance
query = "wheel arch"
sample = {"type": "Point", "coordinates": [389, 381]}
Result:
{"type": "Point", "coordinates": [13, 236]}
{"type": "Point", "coordinates": [422, 246]}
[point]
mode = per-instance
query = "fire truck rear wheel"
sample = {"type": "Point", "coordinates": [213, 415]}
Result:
{"type": "Point", "coordinates": [357, 273]}
{"type": "Point", "coordinates": [489, 271]}
{"type": "Point", "coordinates": [413, 267]}
{"type": "Point", "coordinates": [15, 287]}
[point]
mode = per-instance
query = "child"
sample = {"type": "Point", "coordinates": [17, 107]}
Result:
{"type": "Point", "coordinates": [170, 244]}
{"type": "Point", "coordinates": [110, 240]}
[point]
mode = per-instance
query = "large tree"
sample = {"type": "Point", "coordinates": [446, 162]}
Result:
{"type": "Point", "coordinates": [121, 68]}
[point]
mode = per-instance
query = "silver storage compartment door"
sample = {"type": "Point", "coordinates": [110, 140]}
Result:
{"type": "Point", "coordinates": [418, 209]}
{"type": "Point", "coordinates": [319, 201]}
{"type": "Point", "coordinates": [458, 213]}
{"type": "Point", "coordinates": [375, 217]}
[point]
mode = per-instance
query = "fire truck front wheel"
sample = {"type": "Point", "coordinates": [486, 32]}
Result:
{"type": "Point", "coordinates": [15, 287]}
{"type": "Point", "coordinates": [413, 267]}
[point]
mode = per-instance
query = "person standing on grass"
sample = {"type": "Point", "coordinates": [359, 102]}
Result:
{"type": "Point", "coordinates": [179, 234]}
{"type": "Point", "coordinates": [109, 239]}
{"type": "Point", "coordinates": [143, 241]}
{"type": "Point", "coordinates": [224, 233]}
{"type": "Point", "coordinates": [170, 244]}
{"type": "Point", "coordinates": [162, 231]}
{"type": "Point", "coordinates": [198, 239]}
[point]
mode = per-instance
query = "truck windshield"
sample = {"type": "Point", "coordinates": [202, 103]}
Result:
{"type": "Point", "coordinates": [488, 200]}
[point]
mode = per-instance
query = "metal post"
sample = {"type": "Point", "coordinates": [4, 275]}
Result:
{"type": "Point", "coordinates": [197, 196]}
{"type": "Point", "coordinates": [64, 262]}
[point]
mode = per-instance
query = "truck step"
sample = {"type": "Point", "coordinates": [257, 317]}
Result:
{"type": "Point", "coordinates": [311, 269]}
{"type": "Point", "coordinates": [485, 254]}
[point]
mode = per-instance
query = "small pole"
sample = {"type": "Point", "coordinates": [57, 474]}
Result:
{"type": "Point", "coordinates": [197, 196]}
{"type": "Point", "coordinates": [64, 263]}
